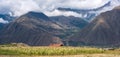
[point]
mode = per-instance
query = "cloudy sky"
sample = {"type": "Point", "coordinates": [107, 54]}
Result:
{"type": "Point", "coordinates": [19, 7]}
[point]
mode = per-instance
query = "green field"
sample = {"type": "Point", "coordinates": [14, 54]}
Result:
{"type": "Point", "coordinates": [47, 50]}
{"type": "Point", "coordinates": [50, 51]}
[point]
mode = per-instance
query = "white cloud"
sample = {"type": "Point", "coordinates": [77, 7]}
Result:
{"type": "Point", "coordinates": [19, 7]}
{"type": "Point", "coordinates": [3, 21]}
{"type": "Point", "coordinates": [60, 13]}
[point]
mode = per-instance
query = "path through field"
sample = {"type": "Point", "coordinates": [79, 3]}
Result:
{"type": "Point", "coordinates": [86, 55]}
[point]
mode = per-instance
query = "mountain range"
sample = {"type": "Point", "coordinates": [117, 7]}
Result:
{"type": "Point", "coordinates": [37, 29]}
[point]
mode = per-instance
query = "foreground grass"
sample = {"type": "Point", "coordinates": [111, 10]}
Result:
{"type": "Point", "coordinates": [48, 50]}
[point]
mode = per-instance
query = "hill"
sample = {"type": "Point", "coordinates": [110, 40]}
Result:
{"type": "Point", "coordinates": [104, 30]}
{"type": "Point", "coordinates": [32, 28]}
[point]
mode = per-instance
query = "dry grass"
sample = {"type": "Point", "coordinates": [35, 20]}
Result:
{"type": "Point", "coordinates": [48, 50]}
{"type": "Point", "coordinates": [85, 55]}
{"type": "Point", "coordinates": [57, 52]}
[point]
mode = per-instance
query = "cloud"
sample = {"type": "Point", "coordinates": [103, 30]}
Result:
{"type": "Point", "coordinates": [19, 7]}
{"type": "Point", "coordinates": [3, 21]}
{"type": "Point", "coordinates": [64, 13]}
{"type": "Point", "coordinates": [78, 4]}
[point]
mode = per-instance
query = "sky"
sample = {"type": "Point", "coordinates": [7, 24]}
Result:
{"type": "Point", "coordinates": [49, 7]}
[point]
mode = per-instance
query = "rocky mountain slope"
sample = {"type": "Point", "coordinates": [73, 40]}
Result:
{"type": "Point", "coordinates": [104, 30]}
{"type": "Point", "coordinates": [32, 28]}
{"type": "Point", "coordinates": [70, 24]}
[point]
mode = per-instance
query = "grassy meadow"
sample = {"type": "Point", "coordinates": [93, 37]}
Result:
{"type": "Point", "coordinates": [52, 51]}
{"type": "Point", "coordinates": [48, 50]}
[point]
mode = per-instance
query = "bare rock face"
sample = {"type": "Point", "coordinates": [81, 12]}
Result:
{"type": "Point", "coordinates": [104, 30]}
{"type": "Point", "coordinates": [32, 29]}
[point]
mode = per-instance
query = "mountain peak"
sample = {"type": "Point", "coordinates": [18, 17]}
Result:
{"type": "Point", "coordinates": [36, 15]}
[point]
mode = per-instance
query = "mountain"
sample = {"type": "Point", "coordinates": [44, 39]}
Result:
{"type": "Point", "coordinates": [103, 31]}
{"type": "Point", "coordinates": [38, 29]}
{"type": "Point", "coordinates": [70, 24]}
{"type": "Point", "coordinates": [32, 28]}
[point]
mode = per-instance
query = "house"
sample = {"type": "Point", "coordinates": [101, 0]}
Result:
{"type": "Point", "coordinates": [56, 45]}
